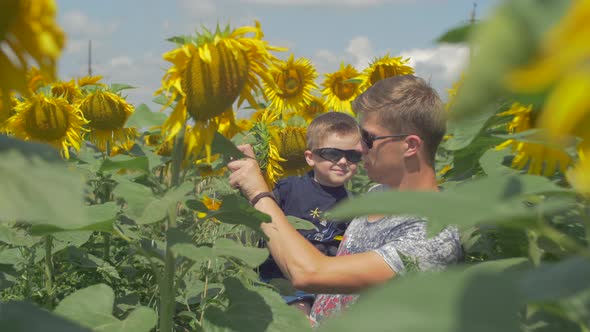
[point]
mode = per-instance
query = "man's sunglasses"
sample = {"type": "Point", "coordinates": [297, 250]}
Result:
{"type": "Point", "coordinates": [369, 138]}
{"type": "Point", "coordinates": [334, 155]}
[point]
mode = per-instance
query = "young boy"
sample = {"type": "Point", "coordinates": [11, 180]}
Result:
{"type": "Point", "coordinates": [333, 153]}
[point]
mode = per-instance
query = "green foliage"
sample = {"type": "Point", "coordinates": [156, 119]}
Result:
{"type": "Point", "coordinates": [144, 118]}
{"type": "Point", "coordinates": [125, 162]}
{"type": "Point", "coordinates": [223, 248]}
{"type": "Point", "coordinates": [25, 317]}
{"type": "Point", "coordinates": [488, 200]}
{"type": "Point", "coordinates": [457, 35]}
{"type": "Point", "coordinates": [35, 173]}
{"type": "Point", "coordinates": [92, 307]}
{"type": "Point", "coordinates": [253, 309]}
{"type": "Point", "coordinates": [118, 87]}
{"type": "Point", "coordinates": [507, 40]}
{"type": "Point", "coordinates": [455, 300]}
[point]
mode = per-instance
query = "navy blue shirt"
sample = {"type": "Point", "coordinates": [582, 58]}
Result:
{"type": "Point", "coordinates": [303, 197]}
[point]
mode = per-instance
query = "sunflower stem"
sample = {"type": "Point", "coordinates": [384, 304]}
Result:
{"type": "Point", "coordinates": [49, 271]}
{"type": "Point", "coordinates": [107, 247]}
{"type": "Point", "coordinates": [167, 288]}
{"type": "Point", "coordinates": [204, 296]}
{"type": "Point", "coordinates": [177, 156]}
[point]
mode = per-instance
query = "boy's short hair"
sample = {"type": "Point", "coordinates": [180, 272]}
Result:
{"type": "Point", "coordinates": [330, 123]}
{"type": "Point", "coordinates": [406, 104]}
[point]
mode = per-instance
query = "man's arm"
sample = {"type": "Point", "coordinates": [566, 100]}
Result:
{"type": "Point", "coordinates": [309, 269]}
{"type": "Point", "coordinates": [306, 267]}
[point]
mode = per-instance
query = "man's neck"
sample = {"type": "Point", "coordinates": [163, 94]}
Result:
{"type": "Point", "coordinates": [418, 181]}
{"type": "Point", "coordinates": [422, 180]}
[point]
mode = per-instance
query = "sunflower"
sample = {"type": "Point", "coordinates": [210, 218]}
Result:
{"type": "Point", "coordinates": [291, 144]}
{"type": "Point", "coordinates": [452, 93]}
{"type": "Point", "coordinates": [563, 69]}
{"type": "Point", "coordinates": [339, 91]}
{"type": "Point", "coordinates": [50, 120]}
{"type": "Point", "coordinates": [384, 67]}
{"type": "Point", "coordinates": [152, 140]}
{"type": "Point", "coordinates": [209, 73]}
{"type": "Point", "coordinates": [244, 124]}
{"type": "Point", "coordinates": [107, 113]}
{"type": "Point", "coordinates": [28, 32]}
{"type": "Point", "coordinates": [35, 80]}
{"type": "Point", "coordinates": [90, 80]}
{"type": "Point", "coordinates": [212, 204]}
{"type": "Point", "coordinates": [165, 148]}
{"type": "Point", "coordinates": [540, 158]}
{"type": "Point", "coordinates": [314, 108]}
{"type": "Point", "coordinates": [67, 90]}
{"type": "Point", "coordinates": [293, 81]}
{"type": "Point", "coordinates": [228, 126]}
{"type": "Point", "coordinates": [7, 106]}
{"type": "Point", "coordinates": [122, 148]}
{"type": "Point", "coordinates": [209, 169]}
{"type": "Point", "coordinates": [265, 147]}
{"type": "Point", "coordinates": [579, 176]}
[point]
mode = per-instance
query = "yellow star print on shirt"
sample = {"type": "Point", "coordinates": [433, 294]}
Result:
{"type": "Point", "coordinates": [315, 213]}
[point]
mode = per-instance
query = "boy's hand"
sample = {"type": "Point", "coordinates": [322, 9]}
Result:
{"type": "Point", "coordinates": [246, 174]}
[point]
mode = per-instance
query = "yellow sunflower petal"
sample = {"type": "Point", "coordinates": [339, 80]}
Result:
{"type": "Point", "coordinates": [567, 110]}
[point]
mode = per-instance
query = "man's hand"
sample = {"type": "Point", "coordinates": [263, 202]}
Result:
{"type": "Point", "coordinates": [246, 174]}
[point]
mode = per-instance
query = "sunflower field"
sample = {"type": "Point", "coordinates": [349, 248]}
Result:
{"type": "Point", "coordinates": [116, 217]}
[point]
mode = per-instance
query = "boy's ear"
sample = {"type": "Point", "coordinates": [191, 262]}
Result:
{"type": "Point", "coordinates": [413, 144]}
{"type": "Point", "coordinates": [309, 158]}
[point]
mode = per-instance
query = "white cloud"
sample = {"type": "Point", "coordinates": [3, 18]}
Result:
{"type": "Point", "coordinates": [121, 61]}
{"type": "Point", "coordinates": [319, 3]}
{"type": "Point", "coordinates": [144, 72]}
{"type": "Point", "coordinates": [441, 65]}
{"type": "Point", "coordinates": [166, 25]}
{"type": "Point", "coordinates": [80, 28]}
{"type": "Point", "coordinates": [198, 8]}
{"type": "Point", "coordinates": [326, 55]}
{"type": "Point", "coordinates": [325, 61]}
{"type": "Point", "coordinates": [361, 49]}
{"type": "Point", "coordinates": [78, 24]}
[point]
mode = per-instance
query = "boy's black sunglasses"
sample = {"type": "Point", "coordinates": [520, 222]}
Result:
{"type": "Point", "coordinates": [369, 138]}
{"type": "Point", "coordinates": [333, 154]}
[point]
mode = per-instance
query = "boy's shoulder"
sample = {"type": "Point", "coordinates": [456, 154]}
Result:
{"type": "Point", "coordinates": [296, 180]}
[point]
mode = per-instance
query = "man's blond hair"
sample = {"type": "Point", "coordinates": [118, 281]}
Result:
{"type": "Point", "coordinates": [406, 104]}
{"type": "Point", "coordinates": [330, 123]}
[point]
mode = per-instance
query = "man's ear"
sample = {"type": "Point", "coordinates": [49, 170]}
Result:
{"type": "Point", "coordinates": [413, 143]}
{"type": "Point", "coordinates": [309, 158]}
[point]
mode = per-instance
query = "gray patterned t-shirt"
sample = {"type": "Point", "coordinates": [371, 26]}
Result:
{"type": "Point", "coordinates": [392, 237]}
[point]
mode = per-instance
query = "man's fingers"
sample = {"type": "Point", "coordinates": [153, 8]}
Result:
{"type": "Point", "coordinates": [247, 150]}
{"type": "Point", "coordinates": [235, 165]}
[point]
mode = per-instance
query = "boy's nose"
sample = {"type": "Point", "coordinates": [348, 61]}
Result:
{"type": "Point", "coordinates": [342, 160]}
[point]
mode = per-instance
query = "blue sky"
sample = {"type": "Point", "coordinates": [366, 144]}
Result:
{"type": "Point", "coordinates": [128, 36]}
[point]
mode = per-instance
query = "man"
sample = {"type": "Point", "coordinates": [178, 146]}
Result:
{"type": "Point", "coordinates": [402, 124]}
